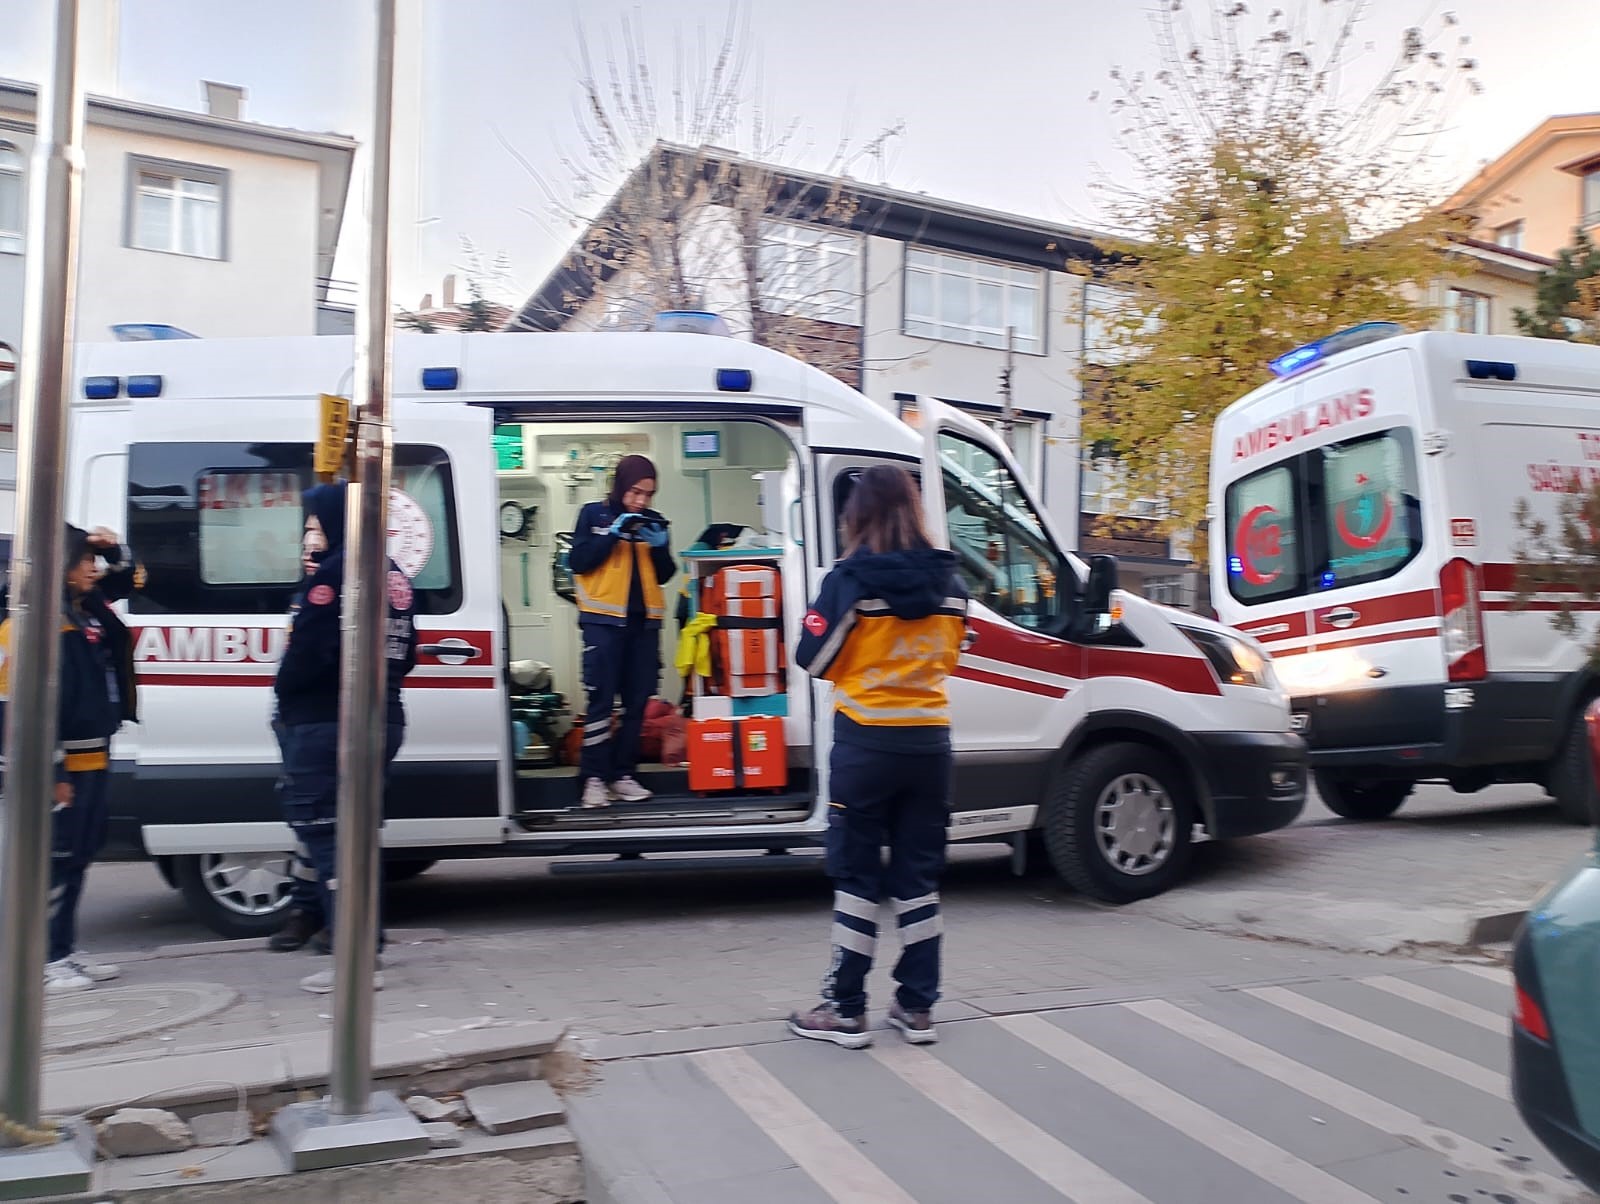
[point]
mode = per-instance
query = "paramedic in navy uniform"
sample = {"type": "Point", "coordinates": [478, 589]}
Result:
{"type": "Point", "coordinates": [619, 560]}
{"type": "Point", "coordinates": [886, 629]}
{"type": "Point", "coordinates": [308, 699]}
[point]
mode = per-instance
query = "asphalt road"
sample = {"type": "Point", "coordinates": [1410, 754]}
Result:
{"type": "Point", "coordinates": [129, 907]}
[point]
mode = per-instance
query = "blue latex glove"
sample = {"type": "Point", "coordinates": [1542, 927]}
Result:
{"type": "Point", "coordinates": [622, 521]}
{"type": "Point", "coordinates": [656, 536]}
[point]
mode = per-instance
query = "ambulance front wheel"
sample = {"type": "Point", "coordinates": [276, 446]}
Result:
{"type": "Point", "coordinates": [236, 895]}
{"type": "Point", "coordinates": [1362, 799]}
{"type": "Point", "coordinates": [1119, 823]}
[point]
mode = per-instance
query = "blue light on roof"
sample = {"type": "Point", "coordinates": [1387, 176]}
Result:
{"type": "Point", "coordinates": [438, 380]}
{"type": "Point", "coordinates": [690, 321]}
{"type": "Point", "coordinates": [101, 388]}
{"type": "Point", "coordinates": [144, 386]}
{"type": "Point", "coordinates": [1329, 580]}
{"type": "Point", "coordinates": [1235, 564]}
{"type": "Point", "coordinates": [734, 380]}
{"type": "Point", "coordinates": [1303, 357]}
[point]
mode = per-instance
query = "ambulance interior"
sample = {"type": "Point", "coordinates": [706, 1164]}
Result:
{"type": "Point", "coordinates": [741, 473]}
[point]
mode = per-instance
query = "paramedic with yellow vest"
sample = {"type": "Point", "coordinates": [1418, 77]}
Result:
{"type": "Point", "coordinates": [619, 560]}
{"type": "Point", "coordinates": [886, 629]}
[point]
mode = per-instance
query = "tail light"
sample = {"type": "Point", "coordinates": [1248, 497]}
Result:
{"type": "Point", "coordinates": [1462, 609]}
{"type": "Point", "coordinates": [1528, 1017]}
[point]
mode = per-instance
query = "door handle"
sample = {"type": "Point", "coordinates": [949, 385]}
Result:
{"type": "Point", "coordinates": [1342, 616]}
{"type": "Point", "coordinates": [452, 651]}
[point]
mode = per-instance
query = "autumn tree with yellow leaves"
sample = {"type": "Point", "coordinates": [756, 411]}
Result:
{"type": "Point", "coordinates": [1283, 191]}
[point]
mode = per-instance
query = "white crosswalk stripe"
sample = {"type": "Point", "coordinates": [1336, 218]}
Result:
{"type": "Point", "coordinates": [1500, 974]}
{"type": "Point", "coordinates": [1416, 1052]}
{"type": "Point", "coordinates": [1057, 1164]}
{"type": "Point", "coordinates": [1283, 1170]}
{"type": "Point", "coordinates": [1494, 1022]}
{"type": "Point", "coordinates": [1352, 1101]}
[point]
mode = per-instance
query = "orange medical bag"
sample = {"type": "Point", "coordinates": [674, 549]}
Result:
{"type": "Point", "coordinates": [737, 754]}
{"type": "Point", "coordinates": [748, 639]}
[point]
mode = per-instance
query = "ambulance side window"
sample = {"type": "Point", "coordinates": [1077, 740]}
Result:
{"type": "Point", "coordinates": [1372, 516]}
{"type": "Point", "coordinates": [218, 526]}
{"type": "Point", "coordinates": [1002, 550]}
{"type": "Point", "coordinates": [1264, 557]}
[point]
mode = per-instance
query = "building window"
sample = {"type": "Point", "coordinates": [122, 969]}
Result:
{"type": "Point", "coordinates": [961, 300]}
{"type": "Point", "coordinates": [1591, 198]}
{"type": "Point", "coordinates": [1170, 589]}
{"type": "Point", "coordinates": [1467, 312]}
{"type": "Point", "coordinates": [1105, 491]}
{"type": "Point", "coordinates": [1509, 236]}
{"type": "Point", "coordinates": [179, 208]}
{"type": "Point", "coordinates": [807, 272]}
{"type": "Point", "coordinates": [10, 199]}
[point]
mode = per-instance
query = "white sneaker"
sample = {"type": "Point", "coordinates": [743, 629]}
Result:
{"type": "Point", "coordinates": [626, 790]}
{"type": "Point", "coordinates": [62, 977]}
{"type": "Point", "coordinates": [595, 795]}
{"type": "Point", "coordinates": [94, 971]}
{"type": "Point", "coordinates": [321, 983]}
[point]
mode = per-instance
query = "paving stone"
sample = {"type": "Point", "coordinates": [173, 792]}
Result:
{"type": "Point", "coordinates": [515, 1107]}
{"type": "Point", "coordinates": [426, 1108]}
{"type": "Point", "coordinates": [443, 1135]}
{"type": "Point", "coordinates": [138, 1132]}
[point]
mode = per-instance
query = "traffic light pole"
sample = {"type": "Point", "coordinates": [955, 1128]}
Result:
{"type": "Point", "coordinates": [39, 1159]}
{"type": "Point", "coordinates": [355, 1124]}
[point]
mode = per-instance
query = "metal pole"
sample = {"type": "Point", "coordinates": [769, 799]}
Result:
{"type": "Point", "coordinates": [363, 698]}
{"type": "Point", "coordinates": [45, 376]}
{"type": "Point", "coordinates": [1007, 414]}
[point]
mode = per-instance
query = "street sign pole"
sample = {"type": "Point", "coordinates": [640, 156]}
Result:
{"type": "Point", "coordinates": [355, 1124]}
{"type": "Point", "coordinates": [38, 1159]}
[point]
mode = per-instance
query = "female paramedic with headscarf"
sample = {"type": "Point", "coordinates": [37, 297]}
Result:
{"type": "Point", "coordinates": [619, 560]}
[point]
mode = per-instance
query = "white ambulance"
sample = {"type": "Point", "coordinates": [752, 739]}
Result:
{"type": "Point", "coordinates": [1109, 725]}
{"type": "Point", "coordinates": [1364, 530]}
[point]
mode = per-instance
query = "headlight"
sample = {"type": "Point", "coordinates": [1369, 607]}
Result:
{"type": "Point", "coordinates": [1237, 663]}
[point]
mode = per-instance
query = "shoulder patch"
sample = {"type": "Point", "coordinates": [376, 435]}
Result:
{"type": "Point", "coordinates": [400, 593]}
{"type": "Point", "coordinates": [320, 595]}
{"type": "Point", "coordinates": [816, 623]}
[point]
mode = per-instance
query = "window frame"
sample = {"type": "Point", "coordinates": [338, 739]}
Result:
{"type": "Point", "coordinates": [1308, 488]}
{"type": "Point", "coordinates": [178, 172]}
{"type": "Point", "coordinates": [1589, 198]}
{"type": "Point", "coordinates": [1454, 297]}
{"type": "Point", "coordinates": [836, 249]}
{"type": "Point", "coordinates": [167, 538]}
{"type": "Point", "coordinates": [1509, 235]}
{"type": "Point", "coordinates": [934, 327]}
{"type": "Point", "coordinates": [14, 175]}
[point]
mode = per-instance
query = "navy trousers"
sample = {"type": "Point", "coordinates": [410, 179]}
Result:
{"type": "Point", "coordinates": [77, 834]}
{"type": "Point", "coordinates": [303, 895]}
{"type": "Point", "coordinates": [902, 801]}
{"type": "Point", "coordinates": [618, 662]}
{"type": "Point", "coordinates": [311, 803]}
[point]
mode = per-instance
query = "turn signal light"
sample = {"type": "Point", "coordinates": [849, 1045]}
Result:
{"type": "Point", "coordinates": [1529, 1018]}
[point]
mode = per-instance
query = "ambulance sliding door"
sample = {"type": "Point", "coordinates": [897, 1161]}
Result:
{"type": "Point", "coordinates": [214, 512]}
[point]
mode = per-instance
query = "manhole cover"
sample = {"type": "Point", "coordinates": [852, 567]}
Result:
{"type": "Point", "coordinates": [113, 1014]}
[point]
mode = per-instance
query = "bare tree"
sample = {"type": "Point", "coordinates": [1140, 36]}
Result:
{"type": "Point", "coordinates": [669, 216]}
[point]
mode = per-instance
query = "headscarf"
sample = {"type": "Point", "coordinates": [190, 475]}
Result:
{"type": "Point", "coordinates": [327, 504]}
{"type": "Point", "coordinates": [630, 471]}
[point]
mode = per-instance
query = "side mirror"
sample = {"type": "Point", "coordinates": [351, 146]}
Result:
{"type": "Point", "coordinates": [1101, 585]}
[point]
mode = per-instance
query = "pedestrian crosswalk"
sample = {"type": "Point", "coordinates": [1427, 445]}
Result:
{"type": "Point", "coordinates": [1328, 1091]}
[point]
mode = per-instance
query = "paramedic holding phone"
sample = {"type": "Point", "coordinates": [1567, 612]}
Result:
{"type": "Point", "coordinates": [886, 629]}
{"type": "Point", "coordinates": [619, 561]}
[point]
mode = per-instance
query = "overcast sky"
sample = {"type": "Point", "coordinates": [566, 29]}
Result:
{"type": "Point", "coordinates": [995, 95]}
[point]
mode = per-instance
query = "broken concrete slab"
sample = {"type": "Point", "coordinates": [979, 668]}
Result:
{"type": "Point", "coordinates": [443, 1135]}
{"type": "Point", "coordinates": [515, 1107]}
{"type": "Point", "coordinates": [429, 1110]}
{"type": "Point", "coordinates": [140, 1132]}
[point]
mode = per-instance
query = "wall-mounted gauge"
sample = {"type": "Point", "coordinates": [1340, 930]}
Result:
{"type": "Point", "coordinates": [513, 519]}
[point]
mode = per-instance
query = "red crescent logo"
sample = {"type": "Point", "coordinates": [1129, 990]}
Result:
{"type": "Point", "coordinates": [1363, 542]}
{"type": "Point", "coordinates": [1249, 543]}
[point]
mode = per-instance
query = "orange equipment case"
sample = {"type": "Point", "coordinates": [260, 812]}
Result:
{"type": "Point", "coordinates": [748, 638]}
{"type": "Point", "coordinates": [737, 754]}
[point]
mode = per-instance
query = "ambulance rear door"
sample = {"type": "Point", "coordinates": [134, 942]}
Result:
{"type": "Point", "coordinates": [214, 511]}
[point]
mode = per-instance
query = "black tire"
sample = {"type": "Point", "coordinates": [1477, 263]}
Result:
{"type": "Point", "coordinates": [1086, 856]}
{"type": "Point", "coordinates": [1571, 778]}
{"type": "Point", "coordinates": [404, 871]}
{"type": "Point", "coordinates": [257, 903]}
{"type": "Point", "coordinates": [1359, 799]}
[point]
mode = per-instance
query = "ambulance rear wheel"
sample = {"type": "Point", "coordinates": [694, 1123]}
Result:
{"type": "Point", "coordinates": [1358, 799]}
{"type": "Point", "coordinates": [1570, 780]}
{"type": "Point", "coordinates": [236, 895]}
{"type": "Point", "coordinates": [1119, 823]}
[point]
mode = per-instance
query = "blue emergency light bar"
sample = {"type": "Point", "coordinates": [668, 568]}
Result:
{"type": "Point", "coordinates": [690, 321]}
{"type": "Point", "coordinates": [1290, 363]}
{"type": "Point", "coordinates": [734, 380]}
{"type": "Point", "coordinates": [439, 380]}
{"type": "Point", "coordinates": [102, 388]}
{"type": "Point", "coordinates": [144, 386]}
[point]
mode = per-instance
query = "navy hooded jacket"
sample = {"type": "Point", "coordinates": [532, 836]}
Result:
{"type": "Point", "coordinates": [308, 675]}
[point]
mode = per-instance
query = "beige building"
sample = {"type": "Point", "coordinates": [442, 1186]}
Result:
{"type": "Point", "coordinates": [1535, 195]}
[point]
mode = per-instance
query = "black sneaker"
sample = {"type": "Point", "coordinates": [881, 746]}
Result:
{"type": "Point", "coordinates": [915, 1027]}
{"type": "Point", "coordinates": [300, 928]}
{"type": "Point", "coordinates": [823, 1023]}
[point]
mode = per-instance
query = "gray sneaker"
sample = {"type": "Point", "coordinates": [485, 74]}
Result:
{"type": "Point", "coordinates": [915, 1027]}
{"type": "Point", "coordinates": [321, 983]}
{"type": "Point", "coordinates": [823, 1023]}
